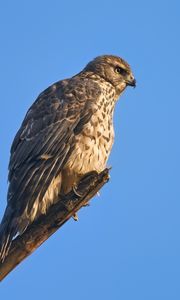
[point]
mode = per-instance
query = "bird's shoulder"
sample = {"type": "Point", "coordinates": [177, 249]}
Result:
{"type": "Point", "coordinates": [65, 104]}
{"type": "Point", "coordinates": [66, 94]}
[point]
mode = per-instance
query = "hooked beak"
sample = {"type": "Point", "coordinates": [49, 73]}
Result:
{"type": "Point", "coordinates": [131, 82]}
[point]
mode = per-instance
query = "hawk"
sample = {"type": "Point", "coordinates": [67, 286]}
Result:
{"type": "Point", "coordinates": [66, 133]}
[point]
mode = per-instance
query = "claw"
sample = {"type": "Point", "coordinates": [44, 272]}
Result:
{"type": "Point", "coordinates": [98, 194]}
{"type": "Point", "coordinates": [86, 204]}
{"type": "Point", "coordinates": [75, 217]}
{"type": "Point", "coordinates": [75, 191]}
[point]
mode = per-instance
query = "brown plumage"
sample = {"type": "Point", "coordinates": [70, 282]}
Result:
{"type": "Point", "coordinates": [67, 132]}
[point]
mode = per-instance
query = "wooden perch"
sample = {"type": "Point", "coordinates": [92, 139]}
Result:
{"type": "Point", "coordinates": [39, 231]}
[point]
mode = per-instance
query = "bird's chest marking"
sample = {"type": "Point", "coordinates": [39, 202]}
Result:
{"type": "Point", "coordinates": [94, 143]}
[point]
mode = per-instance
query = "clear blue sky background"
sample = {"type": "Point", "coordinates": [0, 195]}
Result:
{"type": "Point", "coordinates": [126, 245]}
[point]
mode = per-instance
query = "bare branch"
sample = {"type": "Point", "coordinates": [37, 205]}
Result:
{"type": "Point", "coordinates": [39, 231]}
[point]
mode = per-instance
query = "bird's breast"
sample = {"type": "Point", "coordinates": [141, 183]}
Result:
{"type": "Point", "coordinates": [93, 145]}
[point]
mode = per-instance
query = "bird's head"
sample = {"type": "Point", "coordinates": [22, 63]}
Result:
{"type": "Point", "coordinates": [113, 69]}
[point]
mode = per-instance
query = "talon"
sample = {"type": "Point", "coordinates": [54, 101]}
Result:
{"type": "Point", "coordinates": [75, 217]}
{"type": "Point", "coordinates": [98, 194]}
{"type": "Point", "coordinates": [75, 191]}
{"type": "Point", "coordinates": [86, 204]}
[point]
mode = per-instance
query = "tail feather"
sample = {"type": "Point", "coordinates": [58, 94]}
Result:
{"type": "Point", "coordinates": [5, 248]}
{"type": "Point", "coordinates": [7, 233]}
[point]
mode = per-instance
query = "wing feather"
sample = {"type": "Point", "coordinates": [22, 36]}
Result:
{"type": "Point", "coordinates": [48, 130]}
{"type": "Point", "coordinates": [42, 146]}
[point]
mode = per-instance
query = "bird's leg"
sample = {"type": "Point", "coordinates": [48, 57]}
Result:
{"type": "Point", "coordinates": [83, 183]}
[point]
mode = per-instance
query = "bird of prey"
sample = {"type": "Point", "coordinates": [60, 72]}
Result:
{"type": "Point", "coordinates": [66, 133]}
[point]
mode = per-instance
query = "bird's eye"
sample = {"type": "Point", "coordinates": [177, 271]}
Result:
{"type": "Point", "coordinates": [120, 70]}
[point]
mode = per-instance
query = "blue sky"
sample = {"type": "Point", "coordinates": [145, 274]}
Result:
{"type": "Point", "coordinates": [126, 245]}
